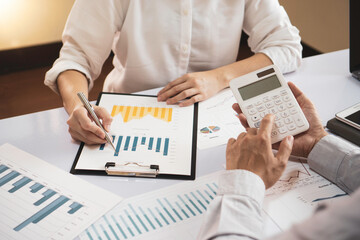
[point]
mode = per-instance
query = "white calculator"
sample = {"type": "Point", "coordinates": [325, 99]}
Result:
{"type": "Point", "coordinates": [265, 91]}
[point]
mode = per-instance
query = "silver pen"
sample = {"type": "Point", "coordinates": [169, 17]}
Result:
{"type": "Point", "coordinates": [90, 109]}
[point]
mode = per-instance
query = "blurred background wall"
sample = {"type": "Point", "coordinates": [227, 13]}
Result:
{"type": "Point", "coordinates": [25, 23]}
{"type": "Point", "coordinates": [30, 40]}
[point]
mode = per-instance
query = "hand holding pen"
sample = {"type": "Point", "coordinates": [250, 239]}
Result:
{"type": "Point", "coordinates": [93, 115]}
{"type": "Point", "coordinates": [83, 128]}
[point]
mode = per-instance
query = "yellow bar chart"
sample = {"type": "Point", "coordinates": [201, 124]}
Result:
{"type": "Point", "coordinates": [129, 113]}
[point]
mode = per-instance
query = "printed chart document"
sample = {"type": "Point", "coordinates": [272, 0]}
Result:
{"type": "Point", "coordinates": [40, 201]}
{"type": "Point", "coordinates": [145, 132]}
{"type": "Point", "coordinates": [176, 212]}
{"type": "Point", "coordinates": [173, 212]}
{"type": "Point", "coordinates": [298, 193]}
{"type": "Point", "coordinates": [217, 120]}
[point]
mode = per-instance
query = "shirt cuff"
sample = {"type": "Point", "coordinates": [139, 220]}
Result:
{"type": "Point", "coordinates": [62, 66]}
{"type": "Point", "coordinates": [327, 156]}
{"type": "Point", "coordinates": [242, 182]}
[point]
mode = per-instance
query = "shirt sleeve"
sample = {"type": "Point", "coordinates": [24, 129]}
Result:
{"type": "Point", "coordinates": [338, 161]}
{"type": "Point", "coordinates": [270, 32]}
{"type": "Point", "coordinates": [236, 210]}
{"type": "Point", "coordinates": [87, 39]}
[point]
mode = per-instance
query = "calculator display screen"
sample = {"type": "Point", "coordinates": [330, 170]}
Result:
{"type": "Point", "coordinates": [259, 87]}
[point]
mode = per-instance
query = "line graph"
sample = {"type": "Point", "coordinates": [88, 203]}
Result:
{"type": "Point", "coordinates": [129, 113]}
{"type": "Point", "coordinates": [296, 174]}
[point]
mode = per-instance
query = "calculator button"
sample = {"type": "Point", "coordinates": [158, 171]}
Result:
{"type": "Point", "coordinates": [275, 97]}
{"type": "Point", "coordinates": [257, 124]}
{"type": "Point", "coordinates": [252, 111]}
{"type": "Point", "coordinates": [281, 108]}
{"type": "Point", "coordinates": [286, 98]}
{"type": "Point", "coordinates": [278, 101]}
{"type": "Point", "coordinates": [273, 111]}
{"type": "Point", "coordinates": [274, 133]}
{"type": "Point", "coordinates": [269, 105]}
{"type": "Point", "coordinates": [290, 105]}
{"type": "Point", "coordinates": [279, 124]}
{"type": "Point", "coordinates": [261, 108]}
{"type": "Point", "coordinates": [283, 93]}
{"type": "Point", "coordinates": [264, 113]}
{"type": "Point", "coordinates": [293, 111]}
{"type": "Point", "coordinates": [298, 120]}
{"type": "Point", "coordinates": [291, 126]}
{"type": "Point", "coordinates": [277, 117]}
{"type": "Point", "coordinates": [255, 118]}
{"type": "Point", "coordinates": [249, 106]}
{"type": "Point", "coordinates": [284, 114]}
{"type": "Point", "coordinates": [282, 130]}
{"type": "Point", "coordinates": [258, 103]}
{"type": "Point", "coordinates": [288, 120]}
{"type": "Point", "coordinates": [266, 99]}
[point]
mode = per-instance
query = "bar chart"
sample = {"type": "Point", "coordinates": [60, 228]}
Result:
{"type": "Point", "coordinates": [39, 201]}
{"type": "Point", "coordinates": [139, 143]}
{"type": "Point", "coordinates": [148, 213]}
{"type": "Point", "coordinates": [129, 113]}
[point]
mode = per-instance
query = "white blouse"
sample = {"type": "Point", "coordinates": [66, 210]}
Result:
{"type": "Point", "coordinates": [157, 41]}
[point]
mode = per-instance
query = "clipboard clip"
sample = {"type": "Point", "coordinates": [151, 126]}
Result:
{"type": "Point", "coordinates": [131, 169]}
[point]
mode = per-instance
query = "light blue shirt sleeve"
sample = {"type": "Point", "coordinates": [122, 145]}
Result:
{"type": "Point", "coordinates": [338, 161]}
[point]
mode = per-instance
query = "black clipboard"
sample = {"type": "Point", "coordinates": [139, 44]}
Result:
{"type": "Point", "coordinates": [132, 169]}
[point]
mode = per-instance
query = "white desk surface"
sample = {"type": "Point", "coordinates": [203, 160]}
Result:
{"type": "Point", "coordinates": [325, 79]}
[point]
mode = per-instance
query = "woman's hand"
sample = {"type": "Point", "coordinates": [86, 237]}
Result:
{"type": "Point", "coordinates": [192, 88]}
{"type": "Point", "coordinates": [83, 128]}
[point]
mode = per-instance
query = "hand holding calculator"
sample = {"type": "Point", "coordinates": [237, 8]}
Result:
{"type": "Point", "coordinates": [265, 91]}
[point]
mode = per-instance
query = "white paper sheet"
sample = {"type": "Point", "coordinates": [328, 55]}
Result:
{"type": "Point", "coordinates": [217, 120]}
{"type": "Point", "coordinates": [144, 131]}
{"type": "Point", "coordinates": [40, 201]}
{"type": "Point", "coordinates": [176, 212]}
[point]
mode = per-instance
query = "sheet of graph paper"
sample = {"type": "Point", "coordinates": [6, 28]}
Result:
{"type": "Point", "coordinates": [40, 201]}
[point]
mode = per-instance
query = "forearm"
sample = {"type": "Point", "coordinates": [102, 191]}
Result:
{"type": "Point", "coordinates": [235, 213]}
{"type": "Point", "coordinates": [242, 67]}
{"type": "Point", "coordinates": [69, 84]}
{"type": "Point", "coordinates": [338, 161]}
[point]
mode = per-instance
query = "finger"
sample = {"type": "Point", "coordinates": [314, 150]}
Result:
{"type": "Point", "coordinates": [161, 96]}
{"type": "Point", "coordinates": [285, 149]}
{"type": "Point", "coordinates": [243, 120]}
{"type": "Point", "coordinates": [300, 96]}
{"type": "Point", "coordinates": [236, 108]}
{"type": "Point", "coordinates": [194, 99]}
{"type": "Point", "coordinates": [88, 126]}
{"type": "Point", "coordinates": [230, 143]}
{"type": "Point", "coordinates": [294, 89]}
{"type": "Point", "coordinates": [252, 131]}
{"type": "Point", "coordinates": [182, 95]}
{"type": "Point", "coordinates": [241, 135]}
{"type": "Point", "coordinates": [104, 115]}
{"type": "Point", "coordinates": [88, 140]}
{"type": "Point", "coordinates": [266, 125]}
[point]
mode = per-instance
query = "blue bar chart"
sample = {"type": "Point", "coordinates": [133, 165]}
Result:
{"type": "Point", "coordinates": [40, 201]}
{"type": "Point", "coordinates": [49, 201]}
{"type": "Point", "coordinates": [139, 144]}
{"type": "Point", "coordinates": [147, 213]}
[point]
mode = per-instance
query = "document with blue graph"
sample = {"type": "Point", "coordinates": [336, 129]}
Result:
{"type": "Point", "coordinates": [40, 201]}
{"type": "Point", "coordinates": [146, 132]}
{"type": "Point", "coordinates": [173, 212]}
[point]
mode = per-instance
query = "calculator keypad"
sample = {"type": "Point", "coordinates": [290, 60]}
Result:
{"type": "Point", "coordinates": [287, 117]}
